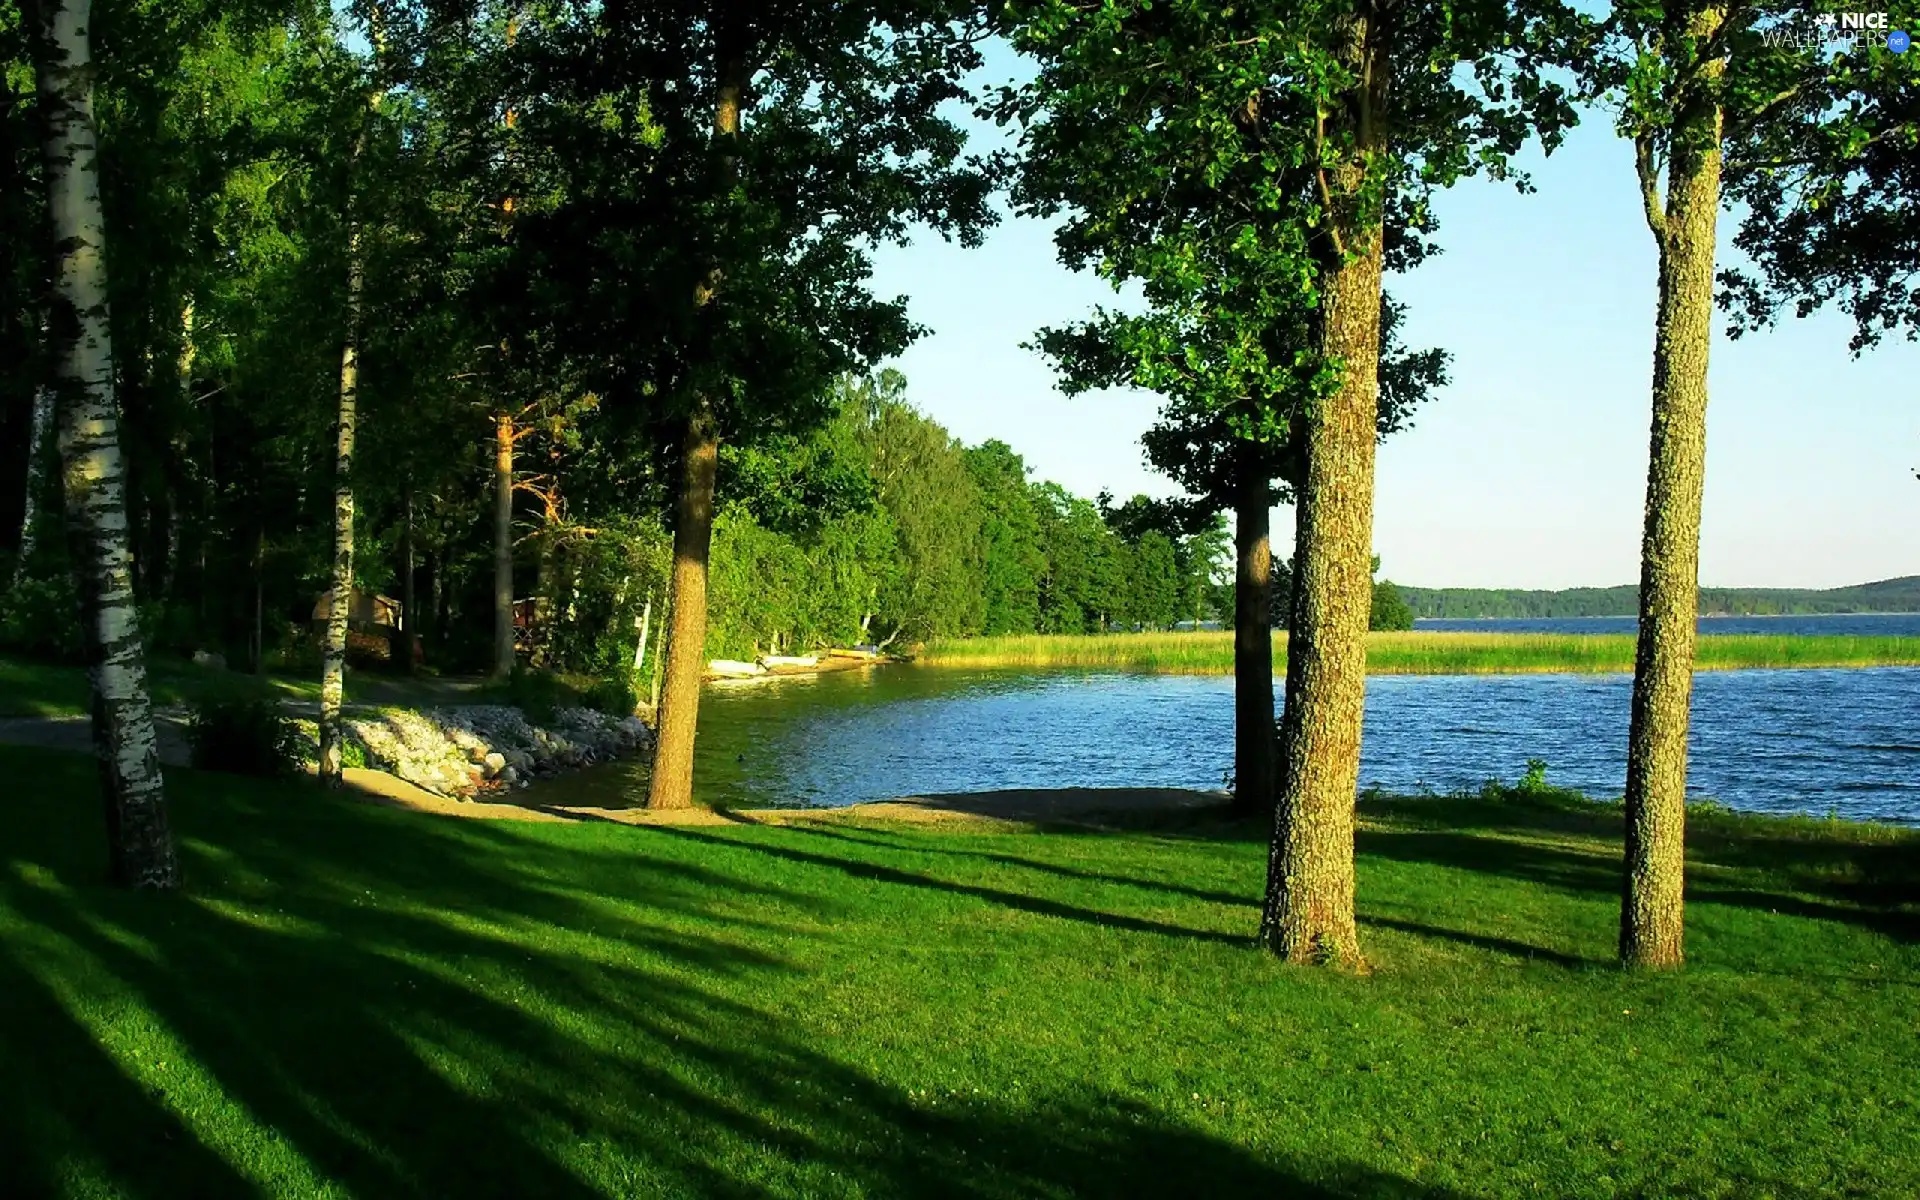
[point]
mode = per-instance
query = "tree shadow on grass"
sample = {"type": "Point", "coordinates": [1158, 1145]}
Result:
{"type": "Point", "coordinates": [1038, 905]}
{"type": "Point", "coordinates": [403, 1005]}
{"type": "Point", "coordinates": [1840, 874]}
{"type": "Point", "coordinates": [48, 1147]}
{"type": "Point", "coordinates": [921, 846]}
{"type": "Point", "coordinates": [1511, 947]}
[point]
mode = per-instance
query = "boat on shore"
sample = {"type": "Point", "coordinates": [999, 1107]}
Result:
{"type": "Point", "coordinates": [776, 662]}
{"type": "Point", "coordinates": [774, 666]}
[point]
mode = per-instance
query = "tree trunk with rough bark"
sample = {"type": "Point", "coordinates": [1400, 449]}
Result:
{"type": "Point", "coordinates": [139, 839]}
{"type": "Point", "coordinates": [1652, 910]}
{"type": "Point", "coordinates": [333, 653]}
{"type": "Point", "coordinates": [677, 714]}
{"type": "Point", "coordinates": [37, 449]}
{"type": "Point", "coordinates": [1252, 636]}
{"type": "Point", "coordinates": [1308, 915]}
{"type": "Point", "coordinates": [671, 785]}
{"type": "Point", "coordinates": [503, 438]}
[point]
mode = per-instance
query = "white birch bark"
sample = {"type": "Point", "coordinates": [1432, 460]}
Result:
{"type": "Point", "coordinates": [140, 843]}
{"type": "Point", "coordinates": [333, 652]}
{"type": "Point", "coordinates": [36, 481]}
{"type": "Point", "coordinates": [333, 656]}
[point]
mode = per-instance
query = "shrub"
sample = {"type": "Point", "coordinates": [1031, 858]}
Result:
{"type": "Point", "coordinates": [616, 696]}
{"type": "Point", "coordinates": [368, 649]}
{"type": "Point", "coordinates": [298, 651]}
{"type": "Point", "coordinates": [41, 619]}
{"type": "Point", "coordinates": [537, 693]}
{"type": "Point", "coordinates": [1535, 780]}
{"type": "Point", "coordinates": [243, 735]}
{"type": "Point", "coordinates": [172, 629]}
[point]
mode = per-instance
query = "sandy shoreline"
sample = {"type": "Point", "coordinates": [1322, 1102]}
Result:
{"type": "Point", "coordinates": [1016, 805]}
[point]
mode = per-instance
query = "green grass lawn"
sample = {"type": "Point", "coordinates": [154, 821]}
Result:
{"type": "Point", "coordinates": [1418, 653]}
{"type": "Point", "coordinates": [357, 1001]}
{"type": "Point", "coordinates": [39, 689]}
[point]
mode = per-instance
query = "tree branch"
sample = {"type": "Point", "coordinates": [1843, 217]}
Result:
{"type": "Point", "coordinates": [1648, 169]}
{"type": "Point", "coordinates": [1320, 173]}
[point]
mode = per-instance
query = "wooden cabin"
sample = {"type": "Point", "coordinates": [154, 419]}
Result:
{"type": "Point", "coordinates": [368, 612]}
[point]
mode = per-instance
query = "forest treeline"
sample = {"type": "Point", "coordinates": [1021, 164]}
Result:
{"type": "Point", "coordinates": [882, 528]}
{"type": "Point", "coordinates": [1882, 596]}
{"type": "Point", "coordinates": [489, 301]}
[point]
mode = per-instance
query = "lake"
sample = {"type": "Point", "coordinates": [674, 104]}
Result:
{"type": "Point", "coordinates": [1808, 741]}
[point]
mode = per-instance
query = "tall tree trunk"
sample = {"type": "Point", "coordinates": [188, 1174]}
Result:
{"type": "Point", "coordinates": [677, 716]}
{"type": "Point", "coordinates": [503, 436]}
{"type": "Point", "coordinates": [37, 448]}
{"type": "Point", "coordinates": [409, 614]}
{"type": "Point", "coordinates": [1308, 915]}
{"type": "Point", "coordinates": [1652, 908]}
{"type": "Point", "coordinates": [333, 656]}
{"type": "Point", "coordinates": [436, 593]}
{"type": "Point", "coordinates": [1252, 635]}
{"type": "Point", "coordinates": [139, 840]}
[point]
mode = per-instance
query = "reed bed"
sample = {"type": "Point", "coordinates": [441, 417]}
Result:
{"type": "Point", "coordinates": [1416, 653]}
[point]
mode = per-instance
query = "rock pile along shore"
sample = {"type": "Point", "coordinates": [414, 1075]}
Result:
{"type": "Point", "coordinates": [466, 751]}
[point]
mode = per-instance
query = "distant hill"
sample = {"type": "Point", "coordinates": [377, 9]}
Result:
{"type": "Point", "coordinates": [1887, 595]}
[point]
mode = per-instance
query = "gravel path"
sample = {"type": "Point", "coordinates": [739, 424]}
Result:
{"type": "Point", "coordinates": [76, 733]}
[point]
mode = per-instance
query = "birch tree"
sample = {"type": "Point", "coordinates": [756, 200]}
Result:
{"type": "Point", "coordinates": [140, 844]}
{"type": "Point", "coordinates": [333, 661]}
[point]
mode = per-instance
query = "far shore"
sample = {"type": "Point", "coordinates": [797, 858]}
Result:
{"type": "Point", "coordinates": [1420, 652]}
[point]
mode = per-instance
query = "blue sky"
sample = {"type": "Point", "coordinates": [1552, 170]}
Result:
{"type": "Point", "coordinates": [1529, 471]}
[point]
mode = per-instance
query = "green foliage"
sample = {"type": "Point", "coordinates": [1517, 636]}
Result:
{"type": "Point", "coordinates": [537, 693]}
{"type": "Point", "coordinates": [923, 481]}
{"type": "Point", "coordinates": [1188, 147]}
{"type": "Point", "coordinates": [1535, 779]}
{"type": "Point", "coordinates": [616, 696]}
{"type": "Point", "coordinates": [1012, 557]}
{"type": "Point", "coordinates": [1390, 610]}
{"type": "Point", "coordinates": [40, 618]}
{"type": "Point", "coordinates": [597, 589]}
{"type": "Point", "coordinates": [246, 735]}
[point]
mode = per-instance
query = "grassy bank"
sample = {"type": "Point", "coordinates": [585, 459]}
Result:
{"type": "Point", "coordinates": [352, 1000]}
{"type": "Point", "coordinates": [1418, 653]}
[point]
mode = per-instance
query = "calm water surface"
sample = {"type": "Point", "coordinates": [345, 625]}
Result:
{"type": "Point", "coordinates": [1810, 741]}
